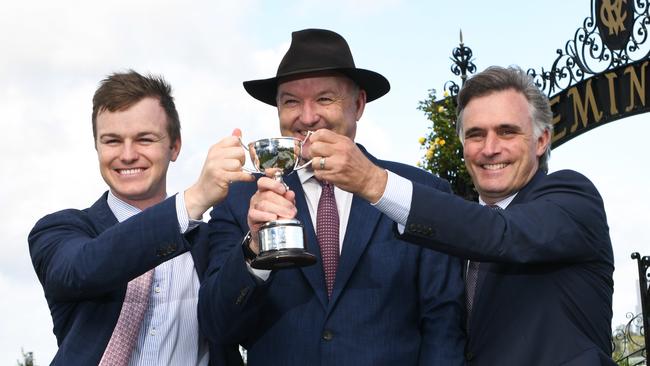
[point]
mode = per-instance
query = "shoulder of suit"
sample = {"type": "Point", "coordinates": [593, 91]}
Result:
{"type": "Point", "coordinates": [564, 180]}
{"type": "Point", "coordinates": [567, 176]}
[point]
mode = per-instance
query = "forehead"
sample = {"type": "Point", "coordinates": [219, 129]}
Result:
{"type": "Point", "coordinates": [145, 115]}
{"type": "Point", "coordinates": [316, 83]}
{"type": "Point", "coordinates": [496, 108]}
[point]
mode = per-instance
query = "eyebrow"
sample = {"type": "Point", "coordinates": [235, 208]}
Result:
{"type": "Point", "coordinates": [498, 127]}
{"type": "Point", "coordinates": [140, 134]}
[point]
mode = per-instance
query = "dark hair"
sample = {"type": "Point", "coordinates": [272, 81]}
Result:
{"type": "Point", "coordinates": [496, 78]}
{"type": "Point", "coordinates": [120, 91]}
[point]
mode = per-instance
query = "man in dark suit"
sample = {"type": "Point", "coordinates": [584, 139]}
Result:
{"type": "Point", "coordinates": [386, 302]}
{"type": "Point", "coordinates": [539, 279]}
{"type": "Point", "coordinates": [121, 278]}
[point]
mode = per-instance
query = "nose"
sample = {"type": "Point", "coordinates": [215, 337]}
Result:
{"type": "Point", "coordinates": [129, 152]}
{"type": "Point", "coordinates": [309, 114]}
{"type": "Point", "coordinates": [492, 144]}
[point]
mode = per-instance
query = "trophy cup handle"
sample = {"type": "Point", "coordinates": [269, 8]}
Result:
{"type": "Point", "coordinates": [243, 168]}
{"type": "Point", "coordinates": [303, 166]}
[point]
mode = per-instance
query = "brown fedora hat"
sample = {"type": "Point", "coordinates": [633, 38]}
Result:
{"type": "Point", "coordinates": [314, 50]}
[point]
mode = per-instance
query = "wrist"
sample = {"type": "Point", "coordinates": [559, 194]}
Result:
{"type": "Point", "coordinates": [249, 254]}
{"type": "Point", "coordinates": [376, 185]}
{"type": "Point", "coordinates": [195, 209]}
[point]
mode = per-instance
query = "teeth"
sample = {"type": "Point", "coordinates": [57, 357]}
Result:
{"type": "Point", "coordinates": [494, 166]}
{"type": "Point", "coordinates": [130, 171]}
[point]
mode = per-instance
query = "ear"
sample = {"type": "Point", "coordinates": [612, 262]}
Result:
{"type": "Point", "coordinates": [360, 103]}
{"type": "Point", "coordinates": [542, 143]}
{"type": "Point", "coordinates": [175, 149]}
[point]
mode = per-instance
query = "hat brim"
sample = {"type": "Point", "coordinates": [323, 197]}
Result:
{"type": "Point", "coordinates": [375, 84]}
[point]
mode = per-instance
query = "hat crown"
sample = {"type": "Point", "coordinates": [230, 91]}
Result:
{"type": "Point", "coordinates": [315, 49]}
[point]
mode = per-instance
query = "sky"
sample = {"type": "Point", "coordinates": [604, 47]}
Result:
{"type": "Point", "coordinates": [54, 53]}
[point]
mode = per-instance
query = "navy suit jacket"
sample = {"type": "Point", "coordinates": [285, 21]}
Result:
{"type": "Point", "coordinates": [393, 303]}
{"type": "Point", "coordinates": [84, 261]}
{"type": "Point", "coordinates": [544, 291]}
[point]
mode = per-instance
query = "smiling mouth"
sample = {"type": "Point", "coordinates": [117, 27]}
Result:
{"type": "Point", "coordinates": [494, 166]}
{"type": "Point", "coordinates": [131, 171]}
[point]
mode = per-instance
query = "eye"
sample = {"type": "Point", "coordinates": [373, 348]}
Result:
{"type": "Point", "coordinates": [474, 134]}
{"type": "Point", "coordinates": [325, 100]}
{"type": "Point", "coordinates": [289, 102]}
{"type": "Point", "coordinates": [110, 142]}
{"type": "Point", "coordinates": [507, 131]}
{"type": "Point", "coordinates": [145, 140]}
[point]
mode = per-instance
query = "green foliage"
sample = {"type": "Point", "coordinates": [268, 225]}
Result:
{"type": "Point", "coordinates": [443, 150]}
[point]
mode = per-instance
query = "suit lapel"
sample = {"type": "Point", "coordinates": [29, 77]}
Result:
{"type": "Point", "coordinates": [360, 227]}
{"type": "Point", "coordinates": [101, 214]}
{"type": "Point", "coordinates": [314, 273]}
{"type": "Point", "coordinates": [487, 267]}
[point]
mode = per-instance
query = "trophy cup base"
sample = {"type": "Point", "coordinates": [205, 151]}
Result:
{"type": "Point", "coordinates": [283, 258]}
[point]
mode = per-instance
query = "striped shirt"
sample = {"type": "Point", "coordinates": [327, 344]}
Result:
{"type": "Point", "coordinates": [169, 334]}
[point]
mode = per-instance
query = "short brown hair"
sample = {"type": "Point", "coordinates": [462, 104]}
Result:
{"type": "Point", "coordinates": [120, 91]}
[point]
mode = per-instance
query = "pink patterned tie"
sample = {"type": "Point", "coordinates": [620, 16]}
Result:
{"type": "Point", "coordinates": [120, 346]}
{"type": "Point", "coordinates": [327, 233]}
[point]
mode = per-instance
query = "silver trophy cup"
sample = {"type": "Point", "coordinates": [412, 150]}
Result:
{"type": "Point", "coordinates": [282, 242]}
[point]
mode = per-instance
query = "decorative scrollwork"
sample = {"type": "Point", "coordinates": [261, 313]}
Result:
{"type": "Point", "coordinates": [461, 57]}
{"type": "Point", "coordinates": [627, 340]}
{"type": "Point", "coordinates": [588, 53]}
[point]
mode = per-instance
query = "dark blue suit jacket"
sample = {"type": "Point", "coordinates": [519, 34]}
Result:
{"type": "Point", "coordinates": [544, 293]}
{"type": "Point", "coordinates": [393, 303]}
{"type": "Point", "coordinates": [84, 261]}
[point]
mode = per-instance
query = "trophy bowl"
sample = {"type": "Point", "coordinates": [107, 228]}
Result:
{"type": "Point", "coordinates": [282, 242]}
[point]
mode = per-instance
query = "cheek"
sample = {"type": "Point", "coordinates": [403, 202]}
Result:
{"type": "Point", "coordinates": [470, 151]}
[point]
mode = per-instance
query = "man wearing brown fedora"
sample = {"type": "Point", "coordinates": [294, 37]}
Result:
{"type": "Point", "coordinates": [370, 299]}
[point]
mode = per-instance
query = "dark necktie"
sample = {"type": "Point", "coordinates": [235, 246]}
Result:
{"type": "Point", "coordinates": [471, 280]}
{"type": "Point", "coordinates": [327, 233]}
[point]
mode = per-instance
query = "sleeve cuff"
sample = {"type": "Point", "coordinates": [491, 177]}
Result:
{"type": "Point", "coordinates": [396, 201]}
{"type": "Point", "coordinates": [185, 224]}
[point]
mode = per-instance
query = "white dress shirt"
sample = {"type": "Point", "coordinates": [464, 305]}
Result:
{"type": "Point", "coordinates": [169, 334]}
{"type": "Point", "coordinates": [313, 189]}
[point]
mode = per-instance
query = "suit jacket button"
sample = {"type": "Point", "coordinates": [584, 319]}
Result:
{"type": "Point", "coordinates": [328, 335]}
{"type": "Point", "coordinates": [469, 356]}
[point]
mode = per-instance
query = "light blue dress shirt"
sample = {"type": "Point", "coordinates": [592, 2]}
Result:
{"type": "Point", "coordinates": [169, 334]}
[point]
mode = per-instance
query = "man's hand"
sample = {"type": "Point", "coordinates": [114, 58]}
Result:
{"type": "Point", "coordinates": [222, 166]}
{"type": "Point", "coordinates": [272, 201]}
{"type": "Point", "coordinates": [338, 160]}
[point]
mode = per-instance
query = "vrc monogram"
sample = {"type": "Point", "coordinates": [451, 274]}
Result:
{"type": "Point", "coordinates": [612, 15]}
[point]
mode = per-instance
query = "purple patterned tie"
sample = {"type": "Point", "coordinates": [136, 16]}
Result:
{"type": "Point", "coordinates": [470, 286]}
{"type": "Point", "coordinates": [120, 346]}
{"type": "Point", "coordinates": [472, 278]}
{"type": "Point", "coordinates": [327, 233]}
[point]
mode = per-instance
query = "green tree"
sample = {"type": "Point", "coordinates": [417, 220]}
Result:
{"type": "Point", "coordinates": [443, 150]}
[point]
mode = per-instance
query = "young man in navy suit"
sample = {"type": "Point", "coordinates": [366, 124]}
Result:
{"type": "Point", "coordinates": [539, 279]}
{"type": "Point", "coordinates": [86, 259]}
{"type": "Point", "coordinates": [386, 302]}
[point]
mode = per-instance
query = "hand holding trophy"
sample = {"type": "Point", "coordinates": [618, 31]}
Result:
{"type": "Point", "coordinates": [282, 242]}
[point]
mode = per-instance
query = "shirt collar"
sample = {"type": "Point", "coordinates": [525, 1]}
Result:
{"type": "Point", "coordinates": [305, 174]}
{"type": "Point", "coordinates": [120, 209]}
{"type": "Point", "coordinates": [503, 203]}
